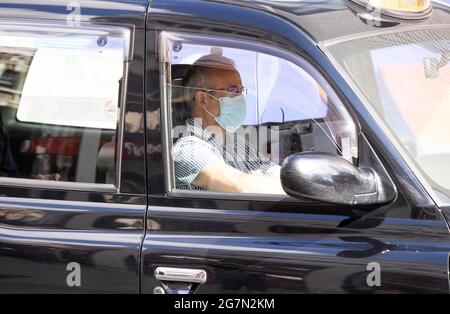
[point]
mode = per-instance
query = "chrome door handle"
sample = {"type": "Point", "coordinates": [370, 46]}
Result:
{"type": "Point", "coordinates": [181, 274]}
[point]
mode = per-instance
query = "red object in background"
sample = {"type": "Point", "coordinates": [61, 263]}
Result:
{"type": "Point", "coordinates": [68, 146]}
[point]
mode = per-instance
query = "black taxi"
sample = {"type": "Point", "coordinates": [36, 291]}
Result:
{"type": "Point", "coordinates": [224, 146]}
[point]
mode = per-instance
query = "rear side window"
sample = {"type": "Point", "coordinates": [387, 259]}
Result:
{"type": "Point", "coordinates": [60, 95]}
{"type": "Point", "coordinates": [237, 113]}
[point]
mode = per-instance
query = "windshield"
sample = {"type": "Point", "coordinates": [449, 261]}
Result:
{"type": "Point", "coordinates": [406, 78]}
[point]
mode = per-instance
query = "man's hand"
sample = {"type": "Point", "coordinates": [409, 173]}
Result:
{"type": "Point", "coordinates": [220, 177]}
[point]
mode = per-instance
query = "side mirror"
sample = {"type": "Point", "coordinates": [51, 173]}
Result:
{"type": "Point", "coordinates": [329, 178]}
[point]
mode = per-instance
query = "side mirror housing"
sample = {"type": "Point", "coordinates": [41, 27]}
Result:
{"type": "Point", "coordinates": [329, 178]}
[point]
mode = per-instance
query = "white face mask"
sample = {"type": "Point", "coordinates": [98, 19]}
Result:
{"type": "Point", "coordinates": [233, 111]}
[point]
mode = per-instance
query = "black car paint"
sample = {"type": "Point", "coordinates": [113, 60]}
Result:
{"type": "Point", "coordinates": [43, 230]}
{"type": "Point", "coordinates": [257, 246]}
{"type": "Point", "coordinates": [121, 12]}
{"type": "Point", "coordinates": [278, 247]}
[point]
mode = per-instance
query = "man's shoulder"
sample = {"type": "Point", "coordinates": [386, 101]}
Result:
{"type": "Point", "coordinates": [190, 140]}
{"type": "Point", "coordinates": [194, 145]}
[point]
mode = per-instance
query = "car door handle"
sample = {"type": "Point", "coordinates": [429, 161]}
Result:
{"type": "Point", "coordinates": [181, 275]}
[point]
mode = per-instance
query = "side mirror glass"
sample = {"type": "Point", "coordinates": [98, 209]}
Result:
{"type": "Point", "coordinates": [329, 178]}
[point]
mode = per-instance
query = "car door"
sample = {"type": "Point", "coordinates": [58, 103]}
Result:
{"type": "Point", "coordinates": [72, 201]}
{"type": "Point", "coordinates": [205, 242]}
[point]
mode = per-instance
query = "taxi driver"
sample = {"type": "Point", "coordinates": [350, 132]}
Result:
{"type": "Point", "coordinates": [202, 161]}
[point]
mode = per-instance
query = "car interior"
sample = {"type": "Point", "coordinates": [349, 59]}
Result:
{"type": "Point", "coordinates": [294, 136]}
{"type": "Point", "coordinates": [44, 151]}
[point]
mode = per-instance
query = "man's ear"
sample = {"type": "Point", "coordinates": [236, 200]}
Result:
{"type": "Point", "coordinates": [199, 98]}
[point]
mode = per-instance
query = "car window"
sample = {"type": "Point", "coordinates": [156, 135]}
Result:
{"type": "Point", "coordinates": [59, 103]}
{"type": "Point", "coordinates": [236, 114]}
{"type": "Point", "coordinates": [406, 79]}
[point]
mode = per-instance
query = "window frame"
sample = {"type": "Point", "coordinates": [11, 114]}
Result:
{"type": "Point", "coordinates": [166, 114]}
{"type": "Point", "coordinates": [128, 37]}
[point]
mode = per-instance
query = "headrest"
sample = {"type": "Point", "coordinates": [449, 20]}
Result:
{"type": "Point", "coordinates": [179, 73]}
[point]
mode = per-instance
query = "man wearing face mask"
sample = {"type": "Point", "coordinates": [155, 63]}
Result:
{"type": "Point", "coordinates": [203, 158]}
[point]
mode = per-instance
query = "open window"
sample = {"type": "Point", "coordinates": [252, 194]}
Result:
{"type": "Point", "coordinates": [60, 96]}
{"type": "Point", "coordinates": [289, 108]}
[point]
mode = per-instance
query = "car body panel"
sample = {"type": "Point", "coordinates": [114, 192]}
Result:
{"type": "Point", "coordinates": [250, 251]}
{"type": "Point", "coordinates": [44, 230]}
{"type": "Point", "coordinates": [41, 237]}
{"type": "Point", "coordinates": [262, 246]}
{"type": "Point", "coordinates": [128, 12]}
{"type": "Point", "coordinates": [323, 20]}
